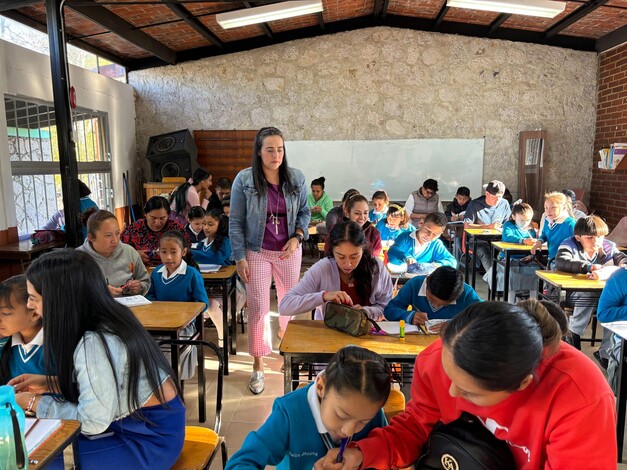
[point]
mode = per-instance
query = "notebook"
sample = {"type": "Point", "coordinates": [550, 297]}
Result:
{"type": "Point", "coordinates": [393, 328]}
{"type": "Point", "coordinates": [133, 300]}
{"type": "Point", "coordinates": [38, 430]}
{"type": "Point", "coordinates": [209, 268]}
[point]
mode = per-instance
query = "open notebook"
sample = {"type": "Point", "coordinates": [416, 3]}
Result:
{"type": "Point", "coordinates": [38, 430]}
{"type": "Point", "coordinates": [133, 300]}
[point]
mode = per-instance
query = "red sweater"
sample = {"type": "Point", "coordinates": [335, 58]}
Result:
{"type": "Point", "coordinates": [564, 420]}
{"type": "Point", "coordinates": [371, 233]}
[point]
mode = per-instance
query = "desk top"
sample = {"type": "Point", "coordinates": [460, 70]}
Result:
{"type": "Point", "coordinates": [570, 281]}
{"type": "Point", "coordinates": [312, 230]}
{"type": "Point", "coordinates": [168, 316]}
{"type": "Point", "coordinates": [486, 232]}
{"type": "Point", "coordinates": [503, 246]}
{"type": "Point", "coordinates": [60, 439]}
{"type": "Point", "coordinates": [313, 337]}
{"type": "Point", "coordinates": [25, 249]}
{"type": "Point", "coordinates": [225, 272]}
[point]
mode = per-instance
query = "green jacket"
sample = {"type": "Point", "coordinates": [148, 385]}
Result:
{"type": "Point", "coordinates": [325, 203]}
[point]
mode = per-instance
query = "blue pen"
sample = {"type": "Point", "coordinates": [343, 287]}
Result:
{"type": "Point", "coordinates": [342, 447]}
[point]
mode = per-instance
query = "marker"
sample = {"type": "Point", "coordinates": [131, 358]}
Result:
{"type": "Point", "coordinates": [401, 329]}
{"type": "Point", "coordinates": [342, 448]}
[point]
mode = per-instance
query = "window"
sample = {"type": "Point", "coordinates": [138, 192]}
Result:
{"type": "Point", "coordinates": [34, 159]}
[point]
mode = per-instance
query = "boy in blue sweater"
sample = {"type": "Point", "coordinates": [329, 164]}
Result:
{"type": "Point", "coordinates": [423, 245]}
{"type": "Point", "coordinates": [343, 404]}
{"type": "Point", "coordinates": [176, 281]}
{"type": "Point", "coordinates": [21, 332]}
{"type": "Point", "coordinates": [439, 296]}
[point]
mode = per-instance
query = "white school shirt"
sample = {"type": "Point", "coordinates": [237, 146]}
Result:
{"type": "Point", "coordinates": [182, 269]}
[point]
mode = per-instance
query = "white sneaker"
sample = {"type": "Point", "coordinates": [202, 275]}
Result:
{"type": "Point", "coordinates": [257, 382]}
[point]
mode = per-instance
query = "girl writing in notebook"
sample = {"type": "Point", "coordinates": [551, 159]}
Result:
{"type": "Point", "coordinates": [21, 333]}
{"type": "Point", "coordinates": [343, 404]}
{"type": "Point", "coordinates": [102, 368]}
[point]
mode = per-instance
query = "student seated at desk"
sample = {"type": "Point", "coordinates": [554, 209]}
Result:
{"type": "Point", "coordinates": [489, 211]}
{"type": "Point", "coordinates": [176, 281]}
{"type": "Point", "coordinates": [195, 221]}
{"type": "Point", "coordinates": [380, 201]}
{"type": "Point", "coordinates": [558, 227]}
{"type": "Point", "coordinates": [522, 268]}
{"type": "Point", "coordinates": [395, 223]}
{"type": "Point", "coordinates": [356, 210]}
{"type": "Point", "coordinates": [110, 374]}
{"type": "Point", "coordinates": [423, 201]}
{"type": "Point", "coordinates": [336, 214]}
{"type": "Point", "coordinates": [120, 263]}
{"type": "Point", "coordinates": [455, 210]}
{"type": "Point", "coordinates": [505, 364]}
{"type": "Point", "coordinates": [585, 252]}
{"type": "Point", "coordinates": [349, 276]}
{"type": "Point", "coordinates": [613, 307]}
{"type": "Point", "coordinates": [344, 403]}
{"type": "Point", "coordinates": [423, 245]}
{"type": "Point", "coordinates": [21, 333]}
{"type": "Point", "coordinates": [439, 296]}
{"type": "Point", "coordinates": [319, 202]}
{"type": "Point", "coordinates": [222, 191]}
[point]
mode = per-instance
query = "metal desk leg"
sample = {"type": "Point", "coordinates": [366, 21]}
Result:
{"type": "Point", "coordinates": [233, 306]}
{"type": "Point", "coordinates": [506, 278]}
{"type": "Point", "coordinates": [225, 325]}
{"type": "Point", "coordinates": [621, 404]}
{"type": "Point", "coordinates": [287, 374]}
{"type": "Point", "coordinates": [474, 260]}
{"type": "Point", "coordinates": [174, 356]}
{"type": "Point", "coordinates": [467, 257]}
{"type": "Point", "coordinates": [202, 402]}
{"type": "Point", "coordinates": [76, 454]}
{"type": "Point", "coordinates": [494, 289]}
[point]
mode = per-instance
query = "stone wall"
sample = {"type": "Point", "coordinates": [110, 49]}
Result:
{"type": "Point", "coordinates": [387, 83]}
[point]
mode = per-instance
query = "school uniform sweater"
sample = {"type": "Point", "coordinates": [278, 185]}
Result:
{"type": "Point", "coordinates": [414, 293]}
{"type": "Point", "coordinates": [572, 258]}
{"type": "Point", "coordinates": [185, 285]}
{"type": "Point", "coordinates": [204, 252]}
{"type": "Point", "coordinates": [290, 438]}
{"type": "Point", "coordinates": [513, 234]}
{"type": "Point", "coordinates": [554, 234]}
{"type": "Point", "coordinates": [325, 203]}
{"type": "Point", "coordinates": [26, 358]}
{"type": "Point", "coordinates": [193, 236]}
{"type": "Point", "coordinates": [613, 302]}
{"type": "Point", "coordinates": [371, 233]}
{"type": "Point", "coordinates": [122, 265]}
{"type": "Point", "coordinates": [546, 425]}
{"type": "Point", "coordinates": [324, 276]}
{"type": "Point", "coordinates": [375, 217]}
{"type": "Point", "coordinates": [406, 248]}
{"type": "Point", "coordinates": [389, 235]}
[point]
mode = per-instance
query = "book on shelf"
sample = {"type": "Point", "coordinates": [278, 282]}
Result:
{"type": "Point", "coordinates": [133, 300]}
{"type": "Point", "coordinates": [38, 430]}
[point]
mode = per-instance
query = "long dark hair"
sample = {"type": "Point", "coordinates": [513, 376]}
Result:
{"type": "Point", "coordinates": [179, 196]}
{"type": "Point", "coordinates": [261, 185]}
{"type": "Point", "coordinates": [359, 370]}
{"type": "Point", "coordinates": [66, 319]}
{"type": "Point", "coordinates": [15, 285]}
{"type": "Point", "coordinates": [223, 228]}
{"type": "Point", "coordinates": [500, 344]}
{"type": "Point", "coordinates": [347, 231]}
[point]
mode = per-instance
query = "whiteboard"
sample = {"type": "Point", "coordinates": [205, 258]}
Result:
{"type": "Point", "coordinates": [396, 166]}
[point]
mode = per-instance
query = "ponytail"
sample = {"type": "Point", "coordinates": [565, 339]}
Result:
{"type": "Point", "coordinates": [550, 318]}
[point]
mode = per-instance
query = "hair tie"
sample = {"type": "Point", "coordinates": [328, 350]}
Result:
{"type": "Point", "coordinates": [397, 207]}
{"type": "Point", "coordinates": [190, 181]}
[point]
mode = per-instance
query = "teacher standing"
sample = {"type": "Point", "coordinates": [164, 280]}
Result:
{"type": "Point", "coordinates": [268, 222]}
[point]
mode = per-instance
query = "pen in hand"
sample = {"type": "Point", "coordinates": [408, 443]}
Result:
{"type": "Point", "coordinates": [342, 448]}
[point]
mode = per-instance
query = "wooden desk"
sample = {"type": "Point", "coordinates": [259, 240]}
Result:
{"type": "Point", "coordinates": [225, 280]}
{"type": "Point", "coordinates": [508, 249]}
{"type": "Point", "coordinates": [477, 234]}
{"type": "Point", "coordinates": [310, 341]}
{"type": "Point", "coordinates": [622, 248]}
{"type": "Point", "coordinates": [66, 435]}
{"type": "Point", "coordinates": [24, 251]}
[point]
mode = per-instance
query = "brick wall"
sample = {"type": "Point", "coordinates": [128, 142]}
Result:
{"type": "Point", "coordinates": [608, 191]}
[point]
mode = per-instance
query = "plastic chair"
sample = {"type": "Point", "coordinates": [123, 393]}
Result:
{"type": "Point", "coordinates": [201, 443]}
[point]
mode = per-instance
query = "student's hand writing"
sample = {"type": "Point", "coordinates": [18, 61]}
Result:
{"type": "Point", "coordinates": [351, 460]}
{"type": "Point", "coordinates": [529, 241]}
{"type": "Point", "coordinates": [289, 248]}
{"type": "Point", "coordinates": [34, 383]}
{"type": "Point", "coordinates": [133, 287]}
{"type": "Point", "coordinates": [115, 291]}
{"type": "Point", "coordinates": [593, 275]}
{"type": "Point", "coordinates": [242, 269]}
{"type": "Point", "coordinates": [410, 261]}
{"type": "Point", "coordinates": [419, 318]}
{"type": "Point", "coordinates": [143, 254]}
{"type": "Point", "coordinates": [495, 225]}
{"type": "Point", "coordinates": [595, 267]}
{"type": "Point", "coordinates": [338, 296]}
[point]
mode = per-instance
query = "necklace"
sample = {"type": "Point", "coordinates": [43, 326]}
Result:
{"type": "Point", "coordinates": [274, 218]}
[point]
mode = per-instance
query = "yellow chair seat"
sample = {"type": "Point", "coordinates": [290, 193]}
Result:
{"type": "Point", "coordinates": [200, 445]}
{"type": "Point", "coordinates": [394, 405]}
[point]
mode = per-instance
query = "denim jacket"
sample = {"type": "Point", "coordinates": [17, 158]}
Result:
{"type": "Point", "coordinates": [248, 211]}
{"type": "Point", "coordinates": [100, 402]}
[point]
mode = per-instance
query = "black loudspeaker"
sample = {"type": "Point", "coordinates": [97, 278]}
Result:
{"type": "Point", "coordinates": [172, 154]}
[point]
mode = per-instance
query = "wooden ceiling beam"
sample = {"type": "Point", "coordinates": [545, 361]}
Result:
{"type": "Point", "coordinates": [575, 16]}
{"type": "Point", "coordinates": [195, 23]}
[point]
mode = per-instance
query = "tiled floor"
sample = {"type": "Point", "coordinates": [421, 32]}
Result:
{"type": "Point", "coordinates": [242, 412]}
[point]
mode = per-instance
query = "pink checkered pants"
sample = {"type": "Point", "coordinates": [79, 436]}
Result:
{"type": "Point", "coordinates": [262, 268]}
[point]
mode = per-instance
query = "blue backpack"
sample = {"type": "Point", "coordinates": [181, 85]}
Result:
{"type": "Point", "coordinates": [12, 425]}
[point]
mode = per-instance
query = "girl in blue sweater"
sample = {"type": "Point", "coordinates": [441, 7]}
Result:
{"type": "Point", "coordinates": [344, 403]}
{"type": "Point", "coordinates": [21, 332]}
{"type": "Point", "coordinates": [559, 224]}
{"type": "Point", "coordinates": [176, 281]}
{"type": "Point", "coordinates": [395, 223]}
{"type": "Point", "coordinates": [380, 201]}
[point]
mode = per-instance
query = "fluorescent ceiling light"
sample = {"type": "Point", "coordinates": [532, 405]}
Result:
{"type": "Point", "coordinates": [266, 13]}
{"type": "Point", "coordinates": [544, 8]}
